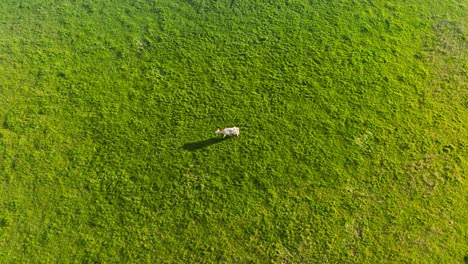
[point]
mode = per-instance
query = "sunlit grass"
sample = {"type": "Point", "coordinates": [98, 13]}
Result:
{"type": "Point", "coordinates": [353, 119]}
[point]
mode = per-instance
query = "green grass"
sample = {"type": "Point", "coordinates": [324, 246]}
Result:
{"type": "Point", "coordinates": [353, 118]}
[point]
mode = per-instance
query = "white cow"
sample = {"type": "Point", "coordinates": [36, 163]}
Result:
{"type": "Point", "coordinates": [228, 131]}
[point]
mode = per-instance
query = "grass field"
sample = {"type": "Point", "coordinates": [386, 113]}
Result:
{"type": "Point", "coordinates": [353, 118]}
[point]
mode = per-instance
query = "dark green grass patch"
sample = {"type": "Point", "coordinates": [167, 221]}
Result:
{"type": "Point", "coordinates": [353, 131]}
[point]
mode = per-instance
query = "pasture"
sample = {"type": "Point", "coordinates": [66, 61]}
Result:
{"type": "Point", "coordinates": [353, 144]}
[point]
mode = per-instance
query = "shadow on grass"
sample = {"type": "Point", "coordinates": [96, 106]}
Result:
{"type": "Point", "coordinates": [192, 146]}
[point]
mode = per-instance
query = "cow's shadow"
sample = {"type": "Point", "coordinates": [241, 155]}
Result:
{"type": "Point", "coordinates": [193, 146]}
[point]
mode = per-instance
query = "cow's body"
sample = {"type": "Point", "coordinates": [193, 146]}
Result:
{"type": "Point", "coordinates": [231, 131]}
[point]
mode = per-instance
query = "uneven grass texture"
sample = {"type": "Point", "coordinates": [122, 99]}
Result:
{"type": "Point", "coordinates": [353, 144]}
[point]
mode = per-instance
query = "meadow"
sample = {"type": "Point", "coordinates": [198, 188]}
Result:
{"type": "Point", "coordinates": [353, 117]}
